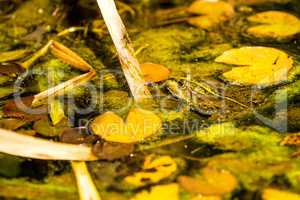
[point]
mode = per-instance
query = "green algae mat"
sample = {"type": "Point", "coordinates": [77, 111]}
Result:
{"type": "Point", "coordinates": [198, 101]}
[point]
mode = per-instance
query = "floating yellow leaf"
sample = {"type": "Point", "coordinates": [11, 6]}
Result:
{"type": "Point", "coordinates": [139, 125]}
{"type": "Point", "coordinates": [257, 65]}
{"type": "Point", "coordinates": [170, 191]}
{"type": "Point", "coordinates": [154, 72]}
{"type": "Point", "coordinates": [274, 24]}
{"type": "Point", "coordinates": [160, 167]}
{"type": "Point", "coordinates": [274, 194]}
{"type": "Point", "coordinates": [201, 197]}
{"type": "Point", "coordinates": [212, 13]}
{"type": "Point", "coordinates": [212, 182]}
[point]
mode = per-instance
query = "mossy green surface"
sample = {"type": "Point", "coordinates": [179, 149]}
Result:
{"type": "Point", "coordinates": [254, 155]}
{"type": "Point", "coordinates": [181, 49]}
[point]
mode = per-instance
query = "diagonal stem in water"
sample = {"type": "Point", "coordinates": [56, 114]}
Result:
{"type": "Point", "coordinates": [129, 63]}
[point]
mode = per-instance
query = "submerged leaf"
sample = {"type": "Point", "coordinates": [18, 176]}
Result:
{"type": "Point", "coordinates": [139, 125]}
{"type": "Point", "coordinates": [11, 124]}
{"type": "Point", "coordinates": [154, 170]}
{"type": "Point", "coordinates": [213, 13]}
{"type": "Point", "coordinates": [45, 128]}
{"type": "Point", "coordinates": [112, 150]}
{"type": "Point", "coordinates": [170, 191]}
{"type": "Point", "coordinates": [285, 25]}
{"type": "Point", "coordinates": [257, 65]}
{"type": "Point", "coordinates": [10, 69]}
{"type": "Point", "coordinates": [154, 72]}
{"type": "Point", "coordinates": [274, 194]}
{"type": "Point", "coordinates": [13, 55]}
{"type": "Point", "coordinates": [22, 109]}
{"type": "Point", "coordinates": [212, 182]}
{"type": "Point", "coordinates": [78, 135]}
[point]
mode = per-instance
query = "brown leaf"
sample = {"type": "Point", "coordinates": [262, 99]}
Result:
{"type": "Point", "coordinates": [15, 109]}
{"type": "Point", "coordinates": [12, 124]}
{"type": "Point", "coordinates": [293, 139]}
{"type": "Point", "coordinates": [11, 69]}
{"type": "Point", "coordinates": [77, 136]}
{"type": "Point", "coordinates": [112, 150]}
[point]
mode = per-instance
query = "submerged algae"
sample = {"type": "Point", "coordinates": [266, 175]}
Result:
{"type": "Point", "coordinates": [177, 47]}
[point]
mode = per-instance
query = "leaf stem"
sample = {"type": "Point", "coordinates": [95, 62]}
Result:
{"type": "Point", "coordinates": [129, 63]}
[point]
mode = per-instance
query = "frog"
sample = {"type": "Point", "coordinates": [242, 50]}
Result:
{"type": "Point", "coordinates": [199, 96]}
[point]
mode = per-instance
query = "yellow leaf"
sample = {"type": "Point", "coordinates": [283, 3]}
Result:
{"type": "Point", "coordinates": [201, 197]}
{"type": "Point", "coordinates": [57, 113]}
{"type": "Point", "coordinates": [212, 182]}
{"type": "Point", "coordinates": [285, 25]}
{"type": "Point", "coordinates": [274, 194]}
{"type": "Point", "coordinates": [139, 125]}
{"type": "Point", "coordinates": [212, 13]}
{"type": "Point", "coordinates": [166, 192]}
{"type": "Point", "coordinates": [154, 72]}
{"type": "Point", "coordinates": [257, 65]}
{"type": "Point", "coordinates": [161, 167]}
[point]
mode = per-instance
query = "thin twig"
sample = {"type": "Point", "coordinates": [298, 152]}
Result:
{"type": "Point", "coordinates": [31, 147]}
{"type": "Point", "coordinates": [62, 88]}
{"type": "Point", "coordinates": [129, 63]}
